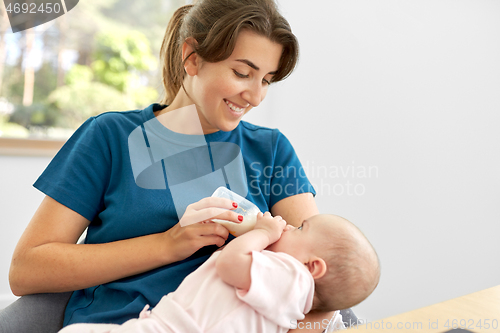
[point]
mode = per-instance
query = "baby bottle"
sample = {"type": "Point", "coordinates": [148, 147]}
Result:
{"type": "Point", "coordinates": [245, 208]}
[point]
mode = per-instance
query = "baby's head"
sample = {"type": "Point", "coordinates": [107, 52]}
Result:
{"type": "Point", "coordinates": [343, 263]}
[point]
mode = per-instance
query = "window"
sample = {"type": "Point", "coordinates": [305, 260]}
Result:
{"type": "Point", "coordinates": [99, 56]}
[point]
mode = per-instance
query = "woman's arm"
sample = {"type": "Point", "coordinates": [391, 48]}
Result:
{"type": "Point", "coordinates": [47, 259]}
{"type": "Point", "coordinates": [296, 209]}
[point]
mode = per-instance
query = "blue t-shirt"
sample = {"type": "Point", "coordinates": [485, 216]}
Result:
{"type": "Point", "coordinates": [116, 172]}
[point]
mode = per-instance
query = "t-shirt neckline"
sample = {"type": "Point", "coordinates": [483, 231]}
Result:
{"type": "Point", "coordinates": [162, 131]}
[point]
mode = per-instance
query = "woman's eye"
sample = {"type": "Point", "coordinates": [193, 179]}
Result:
{"type": "Point", "coordinates": [240, 75]}
{"type": "Point", "coordinates": [244, 76]}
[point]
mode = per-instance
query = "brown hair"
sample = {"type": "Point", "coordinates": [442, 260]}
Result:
{"type": "Point", "coordinates": [215, 25]}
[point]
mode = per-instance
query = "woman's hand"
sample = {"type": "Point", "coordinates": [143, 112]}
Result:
{"type": "Point", "coordinates": [196, 229]}
{"type": "Point", "coordinates": [47, 259]}
{"type": "Point", "coordinates": [210, 208]}
{"type": "Point", "coordinates": [274, 226]}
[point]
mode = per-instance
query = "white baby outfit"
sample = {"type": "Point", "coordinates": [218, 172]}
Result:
{"type": "Point", "coordinates": [281, 291]}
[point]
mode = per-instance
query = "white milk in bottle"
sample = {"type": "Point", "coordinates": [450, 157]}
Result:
{"type": "Point", "coordinates": [246, 208]}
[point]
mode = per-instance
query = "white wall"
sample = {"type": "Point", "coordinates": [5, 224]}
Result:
{"type": "Point", "coordinates": [412, 90]}
{"type": "Point", "coordinates": [18, 202]}
{"type": "Point", "coordinates": [406, 90]}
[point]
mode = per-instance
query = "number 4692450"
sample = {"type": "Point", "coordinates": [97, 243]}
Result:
{"type": "Point", "coordinates": [31, 8]}
{"type": "Point", "coordinates": [471, 323]}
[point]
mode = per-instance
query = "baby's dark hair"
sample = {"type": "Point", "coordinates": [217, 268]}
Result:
{"type": "Point", "coordinates": [353, 268]}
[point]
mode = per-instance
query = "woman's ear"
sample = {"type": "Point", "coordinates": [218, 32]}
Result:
{"type": "Point", "coordinates": [317, 267]}
{"type": "Point", "coordinates": [192, 60]}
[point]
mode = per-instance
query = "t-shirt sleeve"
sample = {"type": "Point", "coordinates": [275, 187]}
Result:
{"type": "Point", "coordinates": [281, 290]}
{"type": "Point", "coordinates": [79, 173]}
{"type": "Point", "coordinates": [289, 177]}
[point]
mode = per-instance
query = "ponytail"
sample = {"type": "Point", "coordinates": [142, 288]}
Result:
{"type": "Point", "coordinates": [171, 55]}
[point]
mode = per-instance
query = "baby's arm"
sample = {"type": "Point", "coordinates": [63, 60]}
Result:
{"type": "Point", "coordinates": [234, 262]}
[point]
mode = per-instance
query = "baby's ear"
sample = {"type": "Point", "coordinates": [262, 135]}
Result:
{"type": "Point", "coordinates": [317, 267]}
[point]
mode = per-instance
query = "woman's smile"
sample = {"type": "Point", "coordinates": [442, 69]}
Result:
{"type": "Point", "coordinates": [235, 107]}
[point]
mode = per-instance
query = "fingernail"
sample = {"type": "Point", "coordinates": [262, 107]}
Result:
{"type": "Point", "coordinates": [240, 218]}
{"type": "Point", "coordinates": [235, 205]}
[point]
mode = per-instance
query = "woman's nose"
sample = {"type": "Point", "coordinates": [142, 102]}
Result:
{"type": "Point", "coordinates": [254, 93]}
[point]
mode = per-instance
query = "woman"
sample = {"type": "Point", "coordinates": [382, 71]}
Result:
{"type": "Point", "coordinates": [219, 58]}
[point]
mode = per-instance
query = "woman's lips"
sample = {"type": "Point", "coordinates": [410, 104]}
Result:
{"type": "Point", "coordinates": [235, 107]}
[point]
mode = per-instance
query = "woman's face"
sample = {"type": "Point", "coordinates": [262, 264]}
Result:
{"type": "Point", "coordinates": [225, 91]}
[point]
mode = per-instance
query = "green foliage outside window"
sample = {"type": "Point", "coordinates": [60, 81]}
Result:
{"type": "Point", "coordinates": [101, 56]}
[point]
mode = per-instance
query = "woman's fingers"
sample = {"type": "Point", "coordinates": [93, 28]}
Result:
{"type": "Point", "coordinates": [210, 208]}
{"type": "Point", "coordinates": [229, 216]}
{"type": "Point", "coordinates": [186, 241]}
{"type": "Point", "coordinates": [214, 202]}
{"type": "Point", "coordinates": [188, 236]}
{"type": "Point", "coordinates": [214, 234]}
{"type": "Point", "coordinates": [207, 214]}
{"type": "Point", "coordinates": [205, 234]}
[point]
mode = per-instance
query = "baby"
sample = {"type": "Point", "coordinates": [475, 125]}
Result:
{"type": "Point", "coordinates": [266, 280]}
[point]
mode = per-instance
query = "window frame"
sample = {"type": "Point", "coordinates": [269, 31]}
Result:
{"type": "Point", "coordinates": [30, 147]}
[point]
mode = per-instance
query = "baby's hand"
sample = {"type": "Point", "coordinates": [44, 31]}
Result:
{"type": "Point", "coordinates": [274, 226]}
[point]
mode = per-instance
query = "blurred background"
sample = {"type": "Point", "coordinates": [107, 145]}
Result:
{"type": "Point", "coordinates": [101, 55]}
{"type": "Point", "coordinates": [394, 111]}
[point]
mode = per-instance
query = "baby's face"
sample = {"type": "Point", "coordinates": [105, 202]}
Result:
{"type": "Point", "coordinates": [302, 241]}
